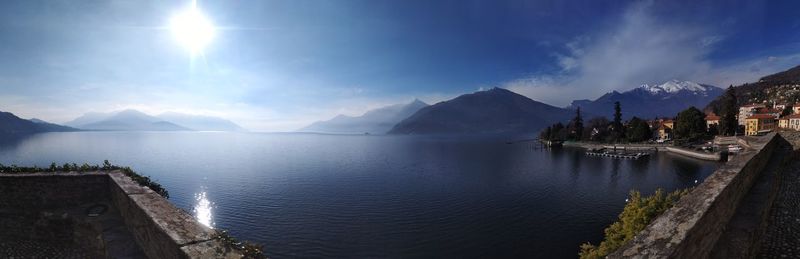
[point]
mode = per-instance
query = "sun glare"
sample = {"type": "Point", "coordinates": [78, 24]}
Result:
{"type": "Point", "coordinates": [192, 29]}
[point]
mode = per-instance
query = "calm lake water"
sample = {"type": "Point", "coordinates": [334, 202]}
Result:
{"type": "Point", "coordinates": [307, 195]}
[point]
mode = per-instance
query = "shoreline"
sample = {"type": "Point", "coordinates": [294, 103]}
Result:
{"type": "Point", "coordinates": [715, 156]}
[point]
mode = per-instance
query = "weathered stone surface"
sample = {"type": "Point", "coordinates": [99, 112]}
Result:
{"type": "Point", "coordinates": [126, 185]}
{"type": "Point", "coordinates": [692, 227]}
{"type": "Point", "coordinates": [210, 249]}
{"type": "Point", "coordinates": [52, 207]}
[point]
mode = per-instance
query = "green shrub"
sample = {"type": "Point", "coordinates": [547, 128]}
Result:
{"type": "Point", "coordinates": [639, 212]}
{"type": "Point", "coordinates": [73, 167]}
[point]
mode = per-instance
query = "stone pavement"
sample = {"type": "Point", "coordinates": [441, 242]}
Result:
{"type": "Point", "coordinates": [26, 248]}
{"type": "Point", "coordinates": [782, 237]}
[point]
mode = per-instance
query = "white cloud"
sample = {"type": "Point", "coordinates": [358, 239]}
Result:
{"type": "Point", "coordinates": [639, 49]}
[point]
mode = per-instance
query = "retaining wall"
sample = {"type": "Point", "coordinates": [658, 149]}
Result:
{"type": "Point", "coordinates": [159, 228]}
{"type": "Point", "coordinates": [692, 227]}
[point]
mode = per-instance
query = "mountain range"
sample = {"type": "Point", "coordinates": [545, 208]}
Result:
{"type": "Point", "coordinates": [133, 120]}
{"type": "Point", "coordinates": [652, 101]}
{"type": "Point", "coordinates": [495, 111]}
{"type": "Point", "coordinates": [377, 121]}
{"type": "Point", "coordinates": [11, 124]}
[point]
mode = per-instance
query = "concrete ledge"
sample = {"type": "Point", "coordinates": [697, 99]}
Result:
{"type": "Point", "coordinates": [692, 227]}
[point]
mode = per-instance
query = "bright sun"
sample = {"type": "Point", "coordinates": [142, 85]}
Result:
{"type": "Point", "coordinates": [191, 29]}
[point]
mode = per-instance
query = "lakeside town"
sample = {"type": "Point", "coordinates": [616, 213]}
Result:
{"type": "Point", "coordinates": [709, 130]}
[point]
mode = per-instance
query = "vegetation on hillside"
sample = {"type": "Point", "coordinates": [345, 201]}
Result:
{"type": "Point", "coordinates": [781, 88]}
{"type": "Point", "coordinates": [637, 214]}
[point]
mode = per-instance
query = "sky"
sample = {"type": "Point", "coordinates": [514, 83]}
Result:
{"type": "Point", "coordinates": [280, 65]}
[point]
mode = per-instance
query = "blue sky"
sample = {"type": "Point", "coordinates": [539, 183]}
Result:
{"type": "Point", "coordinates": [279, 65]}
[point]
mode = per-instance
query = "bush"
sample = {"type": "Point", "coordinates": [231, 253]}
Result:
{"type": "Point", "coordinates": [67, 167]}
{"type": "Point", "coordinates": [638, 213]}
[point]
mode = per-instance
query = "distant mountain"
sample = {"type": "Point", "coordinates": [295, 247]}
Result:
{"type": "Point", "coordinates": [780, 88]}
{"type": "Point", "coordinates": [200, 122]}
{"type": "Point", "coordinates": [496, 111]}
{"type": "Point", "coordinates": [377, 121]}
{"type": "Point", "coordinates": [651, 101]}
{"type": "Point", "coordinates": [11, 124]}
{"type": "Point", "coordinates": [127, 120]}
{"type": "Point", "coordinates": [51, 127]}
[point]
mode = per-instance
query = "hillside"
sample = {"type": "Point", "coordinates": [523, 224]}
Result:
{"type": "Point", "coordinates": [495, 111]}
{"type": "Point", "coordinates": [782, 88]}
{"type": "Point", "coordinates": [377, 121]}
{"type": "Point", "coordinates": [11, 124]}
{"type": "Point", "coordinates": [127, 120]}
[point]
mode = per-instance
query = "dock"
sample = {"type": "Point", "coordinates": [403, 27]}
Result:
{"type": "Point", "coordinates": [605, 153]}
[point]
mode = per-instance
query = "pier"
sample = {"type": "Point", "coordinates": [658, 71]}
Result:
{"type": "Point", "coordinates": [605, 153]}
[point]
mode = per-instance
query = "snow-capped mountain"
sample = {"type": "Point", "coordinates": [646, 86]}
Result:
{"type": "Point", "coordinates": [675, 86]}
{"type": "Point", "coordinates": [653, 100]}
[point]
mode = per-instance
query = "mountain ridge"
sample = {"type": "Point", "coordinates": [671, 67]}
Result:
{"type": "Point", "coordinates": [376, 121]}
{"type": "Point", "coordinates": [494, 111]}
{"type": "Point", "coordinates": [652, 101]}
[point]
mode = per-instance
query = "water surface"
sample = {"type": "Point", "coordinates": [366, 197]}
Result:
{"type": "Point", "coordinates": [308, 195]}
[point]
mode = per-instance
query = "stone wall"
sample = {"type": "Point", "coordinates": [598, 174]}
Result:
{"type": "Point", "coordinates": [692, 227]}
{"type": "Point", "coordinates": [161, 229]}
{"type": "Point", "coordinates": [35, 206]}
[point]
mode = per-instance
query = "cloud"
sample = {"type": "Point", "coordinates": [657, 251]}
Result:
{"type": "Point", "coordinates": [639, 49]}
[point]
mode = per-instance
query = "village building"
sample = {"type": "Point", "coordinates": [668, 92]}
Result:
{"type": "Point", "coordinates": [712, 119]}
{"type": "Point", "coordinates": [759, 123]}
{"type": "Point", "coordinates": [746, 111]}
{"type": "Point", "coordinates": [783, 122]}
{"type": "Point", "coordinates": [664, 131]}
{"type": "Point", "coordinates": [792, 122]}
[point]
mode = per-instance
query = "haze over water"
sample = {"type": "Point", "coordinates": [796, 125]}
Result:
{"type": "Point", "coordinates": [338, 196]}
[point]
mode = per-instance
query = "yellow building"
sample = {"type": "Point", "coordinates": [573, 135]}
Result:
{"type": "Point", "coordinates": [759, 123]}
{"type": "Point", "coordinates": [665, 130]}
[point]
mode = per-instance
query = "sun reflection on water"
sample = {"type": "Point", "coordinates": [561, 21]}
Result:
{"type": "Point", "coordinates": [202, 209]}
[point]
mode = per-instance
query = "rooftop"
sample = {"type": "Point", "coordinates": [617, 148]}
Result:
{"type": "Point", "coordinates": [761, 116]}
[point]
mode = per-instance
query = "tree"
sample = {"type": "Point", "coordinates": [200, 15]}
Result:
{"type": "Point", "coordinates": [598, 129]}
{"type": "Point", "coordinates": [545, 134]}
{"type": "Point", "coordinates": [577, 125]}
{"type": "Point", "coordinates": [639, 211]}
{"type": "Point", "coordinates": [728, 124]}
{"type": "Point", "coordinates": [559, 132]}
{"type": "Point", "coordinates": [787, 110]}
{"type": "Point", "coordinates": [617, 130]}
{"type": "Point", "coordinates": [638, 130]}
{"type": "Point", "coordinates": [690, 125]}
{"type": "Point", "coordinates": [713, 130]}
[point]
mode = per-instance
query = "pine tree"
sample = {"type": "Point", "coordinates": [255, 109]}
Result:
{"type": "Point", "coordinates": [577, 123]}
{"type": "Point", "coordinates": [617, 132]}
{"type": "Point", "coordinates": [728, 123]}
